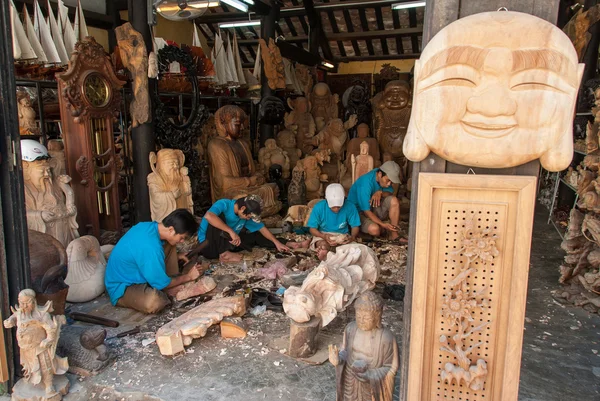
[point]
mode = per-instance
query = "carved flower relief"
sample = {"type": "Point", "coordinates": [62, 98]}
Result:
{"type": "Point", "coordinates": [457, 305]}
{"type": "Point", "coordinates": [480, 244]}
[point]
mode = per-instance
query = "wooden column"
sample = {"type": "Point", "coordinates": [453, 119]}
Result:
{"type": "Point", "coordinates": [267, 30]}
{"type": "Point", "coordinates": [143, 137]}
{"type": "Point", "coordinates": [438, 14]}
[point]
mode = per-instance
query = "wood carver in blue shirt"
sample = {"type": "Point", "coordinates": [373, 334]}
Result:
{"type": "Point", "coordinates": [145, 261]}
{"type": "Point", "coordinates": [231, 226]}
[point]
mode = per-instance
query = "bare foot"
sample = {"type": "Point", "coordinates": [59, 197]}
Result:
{"type": "Point", "coordinates": [393, 235]}
{"type": "Point", "coordinates": [322, 254]}
{"type": "Point", "coordinates": [227, 257]}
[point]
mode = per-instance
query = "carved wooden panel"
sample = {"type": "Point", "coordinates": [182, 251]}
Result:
{"type": "Point", "coordinates": [470, 285]}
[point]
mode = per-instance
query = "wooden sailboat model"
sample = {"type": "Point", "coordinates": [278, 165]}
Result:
{"type": "Point", "coordinates": [44, 34]}
{"type": "Point", "coordinates": [57, 36]}
{"type": "Point", "coordinates": [238, 62]}
{"type": "Point", "coordinates": [65, 26]}
{"type": "Point", "coordinates": [22, 49]}
{"type": "Point", "coordinates": [220, 61]}
{"type": "Point", "coordinates": [80, 28]}
{"type": "Point", "coordinates": [231, 64]}
{"type": "Point", "coordinates": [33, 38]}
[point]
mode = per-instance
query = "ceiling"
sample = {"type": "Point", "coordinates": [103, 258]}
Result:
{"type": "Point", "coordinates": [355, 30]}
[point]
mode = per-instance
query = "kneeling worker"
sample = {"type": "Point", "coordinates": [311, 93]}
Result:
{"type": "Point", "coordinates": [231, 226]}
{"type": "Point", "coordinates": [141, 263]}
{"type": "Point", "coordinates": [332, 216]}
{"type": "Point", "coordinates": [373, 196]}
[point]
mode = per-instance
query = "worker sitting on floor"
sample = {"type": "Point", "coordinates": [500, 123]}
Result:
{"type": "Point", "coordinates": [144, 260]}
{"type": "Point", "coordinates": [231, 226]}
{"type": "Point", "coordinates": [373, 196]}
{"type": "Point", "coordinates": [330, 218]}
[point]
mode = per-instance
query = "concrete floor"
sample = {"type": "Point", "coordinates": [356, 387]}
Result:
{"type": "Point", "coordinates": [561, 353]}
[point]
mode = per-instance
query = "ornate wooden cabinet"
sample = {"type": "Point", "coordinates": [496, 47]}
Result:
{"type": "Point", "coordinates": [89, 94]}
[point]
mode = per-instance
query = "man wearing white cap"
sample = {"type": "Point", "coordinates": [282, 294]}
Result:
{"type": "Point", "coordinates": [332, 217]}
{"type": "Point", "coordinates": [373, 196]}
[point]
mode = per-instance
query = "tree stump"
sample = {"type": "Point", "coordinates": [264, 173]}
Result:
{"type": "Point", "coordinates": [303, 337]}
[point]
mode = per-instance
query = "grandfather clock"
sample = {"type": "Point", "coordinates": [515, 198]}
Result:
{"type": "Point", "coordinates": [89, 96]}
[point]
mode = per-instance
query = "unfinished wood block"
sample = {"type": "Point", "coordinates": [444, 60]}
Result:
{"type": "Point", "coordinates": [303, 337]}
{"type": "Point", "coordinates": [233, 327]}
{"type": "Point", "coordinates": [193, 289]}
{"type": "Point", "coordinates": [175, 335]}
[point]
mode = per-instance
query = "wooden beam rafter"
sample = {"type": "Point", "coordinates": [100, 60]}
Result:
{"type": "Point", "coordinates": [412, 18]}
{"type": "Point", "coordinates": [399, 45]}
{"type": "Point", "coordinates": [350, 26]}
{"type": "Point", "coordinates": [381, 27]}
{"type": "Point", "coordinates": [335, 29]}
{"type": "Point", "coordinates": [365, 26]}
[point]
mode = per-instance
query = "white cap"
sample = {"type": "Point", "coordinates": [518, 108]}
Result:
{"type": "Point", "coordinates": [335, 195]}
{"type": "Point", "coordinates": [32, 150]}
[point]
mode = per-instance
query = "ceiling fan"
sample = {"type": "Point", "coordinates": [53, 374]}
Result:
{"type": "Point", "coordinates": [181, 10]}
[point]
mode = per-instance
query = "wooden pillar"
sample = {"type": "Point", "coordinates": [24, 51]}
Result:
{"type": "Point", "coordinates": [267, 31]}
{"type": "Point", "coordinates": [438, 14]}
{"type": "Point", "coordinates": [143, 137]}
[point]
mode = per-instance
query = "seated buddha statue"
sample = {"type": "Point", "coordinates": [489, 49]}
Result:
{"type": "Point", "coordinates": [232, 170]}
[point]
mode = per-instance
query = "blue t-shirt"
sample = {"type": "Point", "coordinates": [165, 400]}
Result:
{"type": "Point", "coordinates": [327, 221]}
{"type": "Point", "coordinates": [225, 207]}
{"type": "Point", "coordinates": [361, 191]}
{"type": "Point", "coordinates": [138, 258]}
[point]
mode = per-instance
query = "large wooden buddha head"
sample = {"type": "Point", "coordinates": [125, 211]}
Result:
{"type": "Point", "coordinates": [495, 90]}
{"type": "Point", "coordinates": [229, 121]}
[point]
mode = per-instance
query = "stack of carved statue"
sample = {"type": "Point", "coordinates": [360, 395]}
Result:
{"type": "Point", "coordinates": [49, 201]}
{"type": "Point", "coordinates": [301, 121]}
{"type": "Point", "coordinates": [579, 273]}
{"type": "Point", "coordinates": [324, 105]}
{"type": "Point", "coordinates": [391, 116]}
{"type": "Point", "coordinates": [232, 170]}
{"type": "Point", "coordinates": [358, 104]}
{"type": "Point", "coordinates": [37, 336]}
{"type": "Point", "coordinates": [169, 185]}
{"type": "Point", "coordinates": [333, 137]}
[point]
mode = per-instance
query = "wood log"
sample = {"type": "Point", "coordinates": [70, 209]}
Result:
{"type": "Point", "coordinates": [303, 337]}
{"type": "Point", "coordinates": [192, 289]}
{"type": "Point", "coordinates": [173, 336]}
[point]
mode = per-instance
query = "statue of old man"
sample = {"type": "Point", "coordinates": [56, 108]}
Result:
{"type": "Point", "coordinates": [49, 200]}
{"type": "Point", "coordinates": [169, 185]}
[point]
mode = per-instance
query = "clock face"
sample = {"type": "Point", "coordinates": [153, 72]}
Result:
{"type": "Point", "coordinates": [96, 90]}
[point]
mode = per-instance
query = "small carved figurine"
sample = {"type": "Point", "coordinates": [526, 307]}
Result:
{"type": "Point", "coordinates": [304, 77]}
{"type": "Point", "coordinates": [297, 188]}
{"type": "Point", "coordinates": [324, 105]}
{"type": "Point", "coordinates": [591, 139]}
{"type": "Point", "coordinates": [27, 123]}
{"type": "Point", "coordinates": [273, 64]}
{"type": "Point", "coordinates": [359, 104]}
{"type": "Point", "coordinates": [37, 336]}
{"type": "Point", "coordinates": [86, 267]}
{"type": "Point", "coordinates": [56, 150]}
{"type": "Point", "coordinates": [135, 58]}
{"type": "Point", "coordinates": [335, 134]}
{"type": "Point", "coordinates": [272, 154]}
{"type": "Point", "coordinates": [391, 116]}
{"type": "Point", "coordinates": [363, 163]}
{"type": "Point", "coordinates": [286, 140]}
{"type": "Point", "coordinates": [333, 285]}
{"type": "Point", "coordinates": [303, 121]}
{"type": "Point", "coordinates": [49, 200]}
{"type": "Point", "coordinates": [311, 165]}
{"type": "Point", "coordinates": [572, 177]}
{"type": "Point", "coordinates": [232, 170]}
{"type": "Point", "coordinates": [169, 184]}
{"type": "Point", "coordinates": [366, 365]}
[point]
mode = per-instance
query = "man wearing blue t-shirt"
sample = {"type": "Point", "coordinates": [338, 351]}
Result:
{"type": "Point", "coordinates": [145, 258]}
{"type": "Point", "coordinates": [330, 217]}
{"type": "Point", "coordinates": [373, 196]}
{"type": "Point", "coordinates": [231, 226]}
